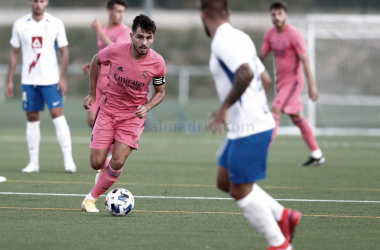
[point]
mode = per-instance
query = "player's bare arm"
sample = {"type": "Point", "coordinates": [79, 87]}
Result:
{"type": "Point", "coordinates": [243, 78]}
{"type": "Point", "coordinates": [62, 84]}
{"type": "Point", "coordinates": [313, 92]}
{"type": "Point", "coordinates": [13, 57]}
{"type": "Point", "coordinates": [97, 26]}
{"type": "Point", "coordinates": [267, 80]}
{"type": "Point", "coordinates": [156, 99]}
{"type": "Point", "coordinates": [94, 75]}
{"type": "Point", "coordinates": [263, 55]}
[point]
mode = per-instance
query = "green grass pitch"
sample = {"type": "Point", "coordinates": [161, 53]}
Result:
{"type": "Point", "coordinates": [181, 165]}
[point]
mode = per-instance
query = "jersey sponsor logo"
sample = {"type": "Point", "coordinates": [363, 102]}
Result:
{"type": "Point", "coordinates": [34, 62]}
{"type": "Point", "coordinates": [56, 103]}
{"type": "Point", "coordinates": [120, 69]}
{"type": "Point", "coordinates": [36, 42]}
{"type": "Point", "coordinates": [127, 83]}
{"type": "Point", "coordinates": [144, 74]}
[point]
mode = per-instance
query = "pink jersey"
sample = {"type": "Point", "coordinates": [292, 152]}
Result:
{"type": "Point", "coordinates": [286, 46]}
{"type": "Point", "coordinates": [128, 84]}
{"type": "Point", "coordinates": [118, 34]}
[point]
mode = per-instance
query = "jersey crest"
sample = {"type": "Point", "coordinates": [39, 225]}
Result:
{"type": "Point", "coordinates": [36, 42]}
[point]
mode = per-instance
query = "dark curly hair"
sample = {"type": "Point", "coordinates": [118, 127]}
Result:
{"type": "Point", "coordinates": [111, 3]}
{"type": "Point", "coordinates": [278, 5]}
{"type": "Point", "coordinates": [145, 23]}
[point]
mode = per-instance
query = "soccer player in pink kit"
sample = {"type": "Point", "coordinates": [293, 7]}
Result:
{"type": "Point", "coordinates": [288, 46]}
{"type": "Point", "coordinates": [114, 32]}
{"type": "Point", "coordinates": [124, 103]}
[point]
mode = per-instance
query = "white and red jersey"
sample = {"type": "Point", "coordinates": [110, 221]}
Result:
{"type": "Point", "coordinates": [250, 114]}
{"type": "Point", "coordinates": [128, 84]}
{"type": "Point", "coordinates": [39, 42]}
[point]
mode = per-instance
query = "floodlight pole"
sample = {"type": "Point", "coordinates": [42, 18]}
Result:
{"type": "Point", "coordinates": [149, 5]}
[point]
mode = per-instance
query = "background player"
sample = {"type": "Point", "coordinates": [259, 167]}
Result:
{"type": "Point", "coordinates": [114, 32]}
{"type": "Point", "coordinates": [124, 104]}
{"type": "Point", "coordinates": [236, 70]}
{"type": "Point", "coordinates": [288, 46]}
{"type": "Point", "coordinates": [38, 34]}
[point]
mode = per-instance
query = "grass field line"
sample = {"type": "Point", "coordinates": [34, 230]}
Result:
{"type": "Point", "coordinates": [192, 212]}
{"type": "Point", "coordinates": [190, 198]}
{"type": "Point", "coordinates": [190, 185]}
{"type": "Point", "coordinates": [86, 140]}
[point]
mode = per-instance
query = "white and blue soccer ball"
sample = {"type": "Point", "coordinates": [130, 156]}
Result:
{"type": "Point", "coordinates": [120, 202]}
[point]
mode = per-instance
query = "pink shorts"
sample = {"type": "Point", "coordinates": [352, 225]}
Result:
{"type": "Point", "coordinates": [108, 128]}
{"type": "Point", "coordinates": [101, 85]}
{"type": "Point", "coordinates": [288, 98]}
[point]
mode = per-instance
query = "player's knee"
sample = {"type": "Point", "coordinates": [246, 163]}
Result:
{"type": "Point", "coordinates": [276, 111]}
{"type": "Point", "coordinates": [96, 163]}
{"type": "Point", "coordinates": [56, 112]}
{"type": "Point", "coordinates": [297, 116]}
{"type": "Point", "coordinates": [235, 194]}
{"type": "Point", "coordinates": [223, 186]}
{"type": "Point", "coordinates": [32, 116]}
{"type": "Point", "coordinates": [117, 163]}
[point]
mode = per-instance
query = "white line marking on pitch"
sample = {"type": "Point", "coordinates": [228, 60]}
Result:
{"type": "Point", "coordinates": [190, 198]}
{"type": "Point", "coordinates": [86, 140]}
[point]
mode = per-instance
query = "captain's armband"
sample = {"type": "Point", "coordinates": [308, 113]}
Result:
{"type": "Point", "coordinates": [158, 81]}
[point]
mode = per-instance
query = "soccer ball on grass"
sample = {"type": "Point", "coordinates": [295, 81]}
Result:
{"type": "Point", "coordinates": [119, 202]}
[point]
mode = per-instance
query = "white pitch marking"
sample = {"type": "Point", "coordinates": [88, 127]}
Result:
{"type": "Point", "coordinates": [86, 140]}
{"type": "Point", "coordinates": [190, 198]}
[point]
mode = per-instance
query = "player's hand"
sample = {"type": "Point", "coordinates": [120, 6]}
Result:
{"type": "Point", "coordinates": [9, 89]}
{"type": "Point", "coordinates": [313, 93]}
{"type": "Point", "coordinates": [62, 86]}
{"type": "Point", "coordinates": [86, 68]}
{"type": "Point", "coordinates": [97, 25]}
{"type": "Point", "coordinates": [88, 101]}
{"type": "Point", "coordinates": [219, 122]}
{"type": "Point", "coordinates": [141, 112]}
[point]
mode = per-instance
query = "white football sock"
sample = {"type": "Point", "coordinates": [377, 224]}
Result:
{"type": "Point", "coordinates": [277, 208]}
{"type": "Point", "coordinates": [33, 137]}
{"type": "Point", "coordinates": [89, 197]}
{"type": "Point", "coordinates": [259, 215]}
{"type": "Point", "coordinates": [64, 138]}
{"type": "Point", "coordinates": [316, 154]}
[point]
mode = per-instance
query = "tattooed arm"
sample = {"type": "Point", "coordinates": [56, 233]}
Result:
{"type": "Point", "coordinates": [243, 78]}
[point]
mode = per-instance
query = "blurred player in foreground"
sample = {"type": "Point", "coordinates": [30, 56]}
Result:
{"type": "Point", "coordinates": [39, 35]}
{"type": "Point", "coordinates": [124, 103]}
{"type": "Point", "coordinates": [236, 70]}
{"type": "Point", "coordinates": [114, 32]}
{"type": "Point", "coordinates": [289, 49]}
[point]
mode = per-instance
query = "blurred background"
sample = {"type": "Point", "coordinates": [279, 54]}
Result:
{"type": "Point", "coordinates": [343, 37]}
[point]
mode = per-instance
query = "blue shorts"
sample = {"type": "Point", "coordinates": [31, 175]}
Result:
{"type": "Point", "coordinates": [246, 158]}
{"type": "Point", "coordinates": [34, 96]}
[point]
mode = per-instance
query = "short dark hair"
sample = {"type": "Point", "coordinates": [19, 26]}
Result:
{"type": "Point", "coordinates": [278, 5]}
{"type": "Point", "coordinates": [145, 23]}
{"type": "Point", "coordinates": [215, 8]}
{"type": "Point", "coordinates": [111, 3]}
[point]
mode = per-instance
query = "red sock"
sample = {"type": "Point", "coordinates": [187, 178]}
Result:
{"type": "Point", "coordinates": [106, 180]}
{"type": "Point", "coordinates": [307, 133]}
{"type": "Point", "coordinates": [277, 121]}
